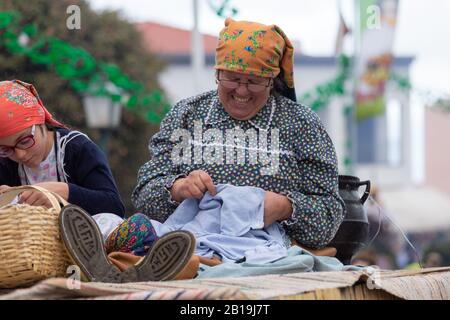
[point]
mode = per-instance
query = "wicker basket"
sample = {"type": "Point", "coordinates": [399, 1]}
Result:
{"type": "Point", "coordinates": [30, 245]}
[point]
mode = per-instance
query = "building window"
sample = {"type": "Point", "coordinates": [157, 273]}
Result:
{"type": "Point", "coordinates": [380, 138]}
{"type": "Point", "coordinates": [394, 132]}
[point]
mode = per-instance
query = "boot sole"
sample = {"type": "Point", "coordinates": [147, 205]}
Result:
{"type": "Point", "coordinates": [82, 240]}
{"type": "Point", "coordinates": [169, 255]}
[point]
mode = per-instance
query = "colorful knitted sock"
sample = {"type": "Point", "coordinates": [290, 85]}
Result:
{"type": "Point", "coordinates": [135, 235]}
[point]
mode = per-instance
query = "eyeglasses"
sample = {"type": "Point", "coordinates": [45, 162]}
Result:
{"type": "Point", "coordinates": [23, 144]}
{"type": "Point", "coordinates": [254, 87]}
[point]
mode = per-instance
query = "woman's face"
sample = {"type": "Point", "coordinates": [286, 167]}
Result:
{"type": "Point", "coordinates": [34, 155]}
{"type": "Point", "coordinates": [241, 95]}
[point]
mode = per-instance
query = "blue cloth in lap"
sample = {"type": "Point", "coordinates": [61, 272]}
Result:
{"type": "Point", "coordinates": [297, 260]}
{"type": "Point", "coordinates": [230, 225]}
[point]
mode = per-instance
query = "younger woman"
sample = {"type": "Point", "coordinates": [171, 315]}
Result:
{"type": "Point", "coordinates": [36, 149]}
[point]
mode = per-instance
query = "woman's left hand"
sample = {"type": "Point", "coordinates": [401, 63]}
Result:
{"type": "Point", "coordinates": [36, 198]}
{"type": "Point", "coordinates": [277, 207]}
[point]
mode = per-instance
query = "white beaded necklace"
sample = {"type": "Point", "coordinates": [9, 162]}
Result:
{"type": "Point", "coordinates": [272, 111]}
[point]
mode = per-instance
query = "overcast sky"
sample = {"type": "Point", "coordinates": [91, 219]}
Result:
{"type": "Point", "coordinates": [423, 28]}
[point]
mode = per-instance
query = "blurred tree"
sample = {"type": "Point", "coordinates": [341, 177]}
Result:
{"type": "Point", "coordinates": [109, 38]}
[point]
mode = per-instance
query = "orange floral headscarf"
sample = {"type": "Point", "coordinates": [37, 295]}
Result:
{"type": "Point", "coordinates": [255, 49]}
{"type": "Point", "coordinates": [20, 108]}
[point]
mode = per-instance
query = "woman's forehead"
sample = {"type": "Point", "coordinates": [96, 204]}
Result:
{"type": "Point", "coordinates": [12, 139]}
{"type": "Point", "coordinates": [232, 74]}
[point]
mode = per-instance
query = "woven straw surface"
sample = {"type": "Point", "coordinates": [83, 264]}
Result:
{"type": "Point", "coordinates": [30, 245]}
{"type": "Point", "coordinates": [346, 285]}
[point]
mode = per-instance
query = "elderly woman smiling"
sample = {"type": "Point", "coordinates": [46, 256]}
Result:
{"type": "Point", "coordinates": [255, 94]}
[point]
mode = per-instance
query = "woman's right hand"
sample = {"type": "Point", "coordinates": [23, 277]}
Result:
{"type": "Point", "coordinates": [34, 198]}
{"type": "Point", "coordinates": [193, 186]}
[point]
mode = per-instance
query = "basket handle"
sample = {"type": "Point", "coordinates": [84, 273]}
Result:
{"type": "Point", "coordinates": [8, 195]}
{"type": "Point", "coordinates": [60, 199]}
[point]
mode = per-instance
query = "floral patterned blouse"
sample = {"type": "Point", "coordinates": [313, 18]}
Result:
{"type": "Point", "coordinates": [284, 149]}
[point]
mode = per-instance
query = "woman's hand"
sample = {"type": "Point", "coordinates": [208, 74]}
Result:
{"type": "Point", "coordinates": [36, 198]}
{"type": "Point", "coordinates": [193, 186]}
{"type": "Point", "coordinates": [277, 207]}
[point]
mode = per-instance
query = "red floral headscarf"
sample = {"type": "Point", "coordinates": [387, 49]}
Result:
{"type": "Point", "coordinates": [20, 108]}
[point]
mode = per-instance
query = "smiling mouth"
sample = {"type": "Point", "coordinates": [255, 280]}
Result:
{"type": "Point", "coordinates": [241, 100]}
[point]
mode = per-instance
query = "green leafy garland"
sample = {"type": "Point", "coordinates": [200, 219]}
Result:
{"type": "Point", "coordinates": [320, 97]}
{"type": "Point", "coordinates": [442, 104]}
{"type": "Point", "coordinates": [223, 9]}
{"type": "Point", "coordinates": [83, 72]}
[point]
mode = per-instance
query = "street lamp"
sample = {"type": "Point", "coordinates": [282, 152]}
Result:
{"type": "Point", "coordinates": [104, 114]}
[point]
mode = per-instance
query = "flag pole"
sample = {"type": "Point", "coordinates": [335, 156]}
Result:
{"type": "Point", "coordinates": [197, 52]}
{"type": "Point", "coordinates": [353, 132]}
